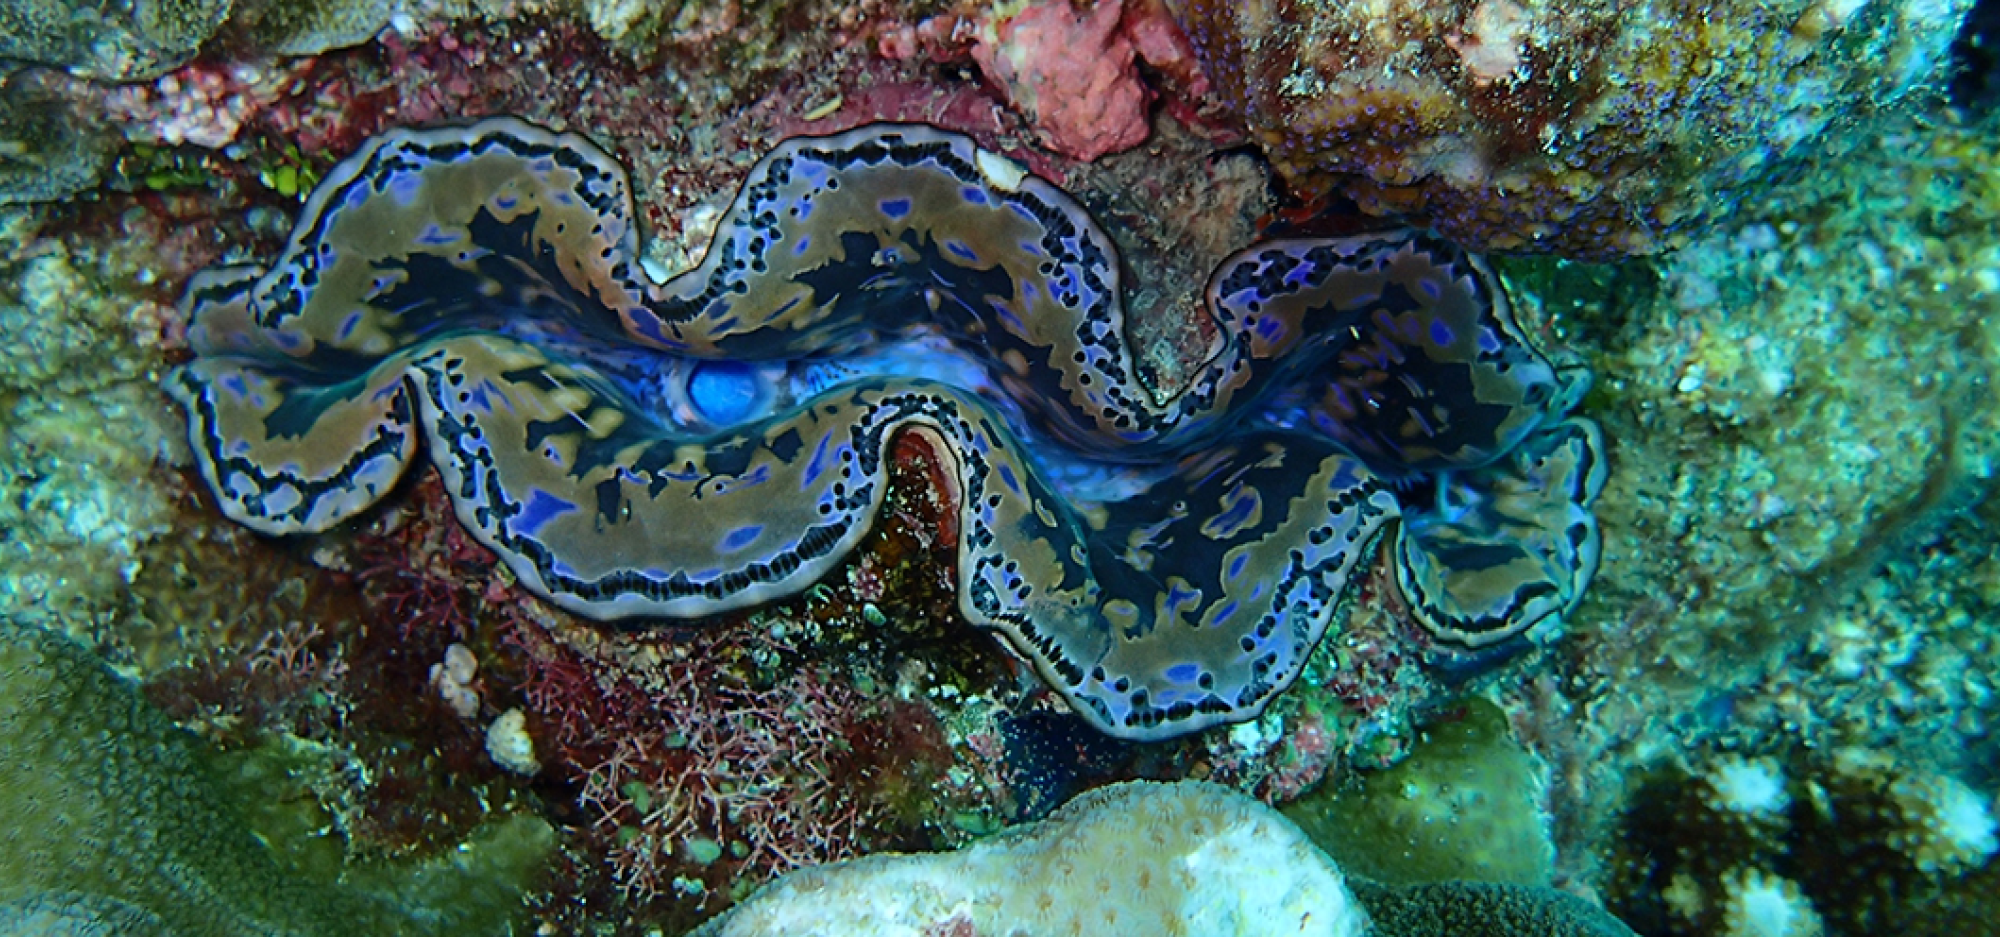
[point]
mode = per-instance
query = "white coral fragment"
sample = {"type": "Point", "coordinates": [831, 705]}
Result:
{"type": "Point", "coordinates": [510, 745]}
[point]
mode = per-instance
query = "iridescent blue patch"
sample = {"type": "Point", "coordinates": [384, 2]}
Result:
{"type": "Point", "coordinates": [725, 392]}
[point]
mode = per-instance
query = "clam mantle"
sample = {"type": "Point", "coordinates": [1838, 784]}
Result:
{"type": "Point", "coordinates": [1164, 560]}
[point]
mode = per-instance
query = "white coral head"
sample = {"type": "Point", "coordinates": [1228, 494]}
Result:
{"type": "Point", "coordinates": [1948, 826]}
{"type": "Point", "coordinates": [1749, 786]}
{"type": "Point", "coordinates": [1757, 904]}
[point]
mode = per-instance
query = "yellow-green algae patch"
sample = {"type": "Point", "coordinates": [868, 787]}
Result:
{"type": "Point", "coordinates": [1465, 805]}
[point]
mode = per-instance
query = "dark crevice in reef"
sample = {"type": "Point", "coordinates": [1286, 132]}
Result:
{"type": "Point", "coordinates": [1975, 60]}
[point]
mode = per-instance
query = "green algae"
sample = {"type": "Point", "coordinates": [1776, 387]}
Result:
{"type": "Point", "coordinates": [1468, 909]}
{"type": "Point", "coordinates": [1464, 805]}
{"type": "Point", "coordinates": [105, 798]}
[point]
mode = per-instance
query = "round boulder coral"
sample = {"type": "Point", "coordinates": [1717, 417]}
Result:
{"type": "Point", "coordinates": [1591, 129]}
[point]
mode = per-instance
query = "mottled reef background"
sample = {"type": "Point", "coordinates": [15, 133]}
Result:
{"type": "Point", "coordinates": [1770, 228]}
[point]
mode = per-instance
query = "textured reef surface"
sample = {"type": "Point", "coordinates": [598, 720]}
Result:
{"type": "Point", "coordinates": [1590, 130]}
{"type": "Point", "coordinates": [942, 466]}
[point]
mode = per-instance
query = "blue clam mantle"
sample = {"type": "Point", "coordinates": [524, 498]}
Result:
{"type": "Point", "coordinates": [1166, 562]}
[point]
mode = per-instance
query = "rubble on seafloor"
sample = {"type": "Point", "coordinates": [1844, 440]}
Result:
{"type": "Point", "coordinates": [1784, 661]}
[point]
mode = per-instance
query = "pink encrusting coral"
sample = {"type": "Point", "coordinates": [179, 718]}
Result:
{"type": "Point", "coordinates": [1072, 71]}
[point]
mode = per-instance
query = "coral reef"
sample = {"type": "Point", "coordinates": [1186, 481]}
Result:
{"type": "Point", "coordinates": [83, 426]}
{"type": "Point", "coordinates": [1843, 843]}
{"type": "Point", "coordinates": [1802, 403]}
{"type": "Point", "coordinates": [1590, 130]}
{"type": "Point", "coordinates": [105, 38]}
{"type": "Point", "coordinates": [1209, 861]}
{"type": "Point", "coordinates": [1071, 72]}
{"type": "Point", "coordinates": [108, 801]}
{"type": "Point", "coordinates": [69, 914]}
{"type": "Point", "coordinates": [51, 147]}
{"type": "Point", "coordinates": [724, 768]}
{"type": "Point", "coordinates": [1482, 909]}
{"type": "Point", "coordinates": [1801, 557]}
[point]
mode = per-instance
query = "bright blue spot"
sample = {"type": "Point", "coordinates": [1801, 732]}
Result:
{"type": "Point", "coordinates": [1488, 342]}
{"type": "Point", "coordinates": [1236, 565]}
{"type": "Point", "coordinates": [286, 340]}
{"type": "Point", "coordinates": [895, 207]}
{"type": "Point", "coordinates": [1006, 315]}
{"type": "Point", "coordinates": [724, 392]}
{"type": "Point", "coordinates": [1440, 332]}
{"type": "Point", "coordinates": [403, 187]}
{"type": "Point", "coordinates": [740, 537]}
{"type": "Point", "coordinates": [756, 477]}
{"type": "Point", "coordinates": [1345, 478]}
{"type": "Point", "coordinates": [1237, 513]}
{"type": "Point", "coordinates": [1007, 477]}
{"type": "Point", "coordinates": [800, 247]}
{"type": "Point", "coordinates": [435, 235]}
{"type": "Point", "coordinates": [648, 326]}
{"type": "Point", "coordinates": [478, 398]}
{"type": "Point", "coordinates": [347, 325]}
{"type": "Point", "coordinates": [1225, 611]}
{"type": "Point", "coordinates": [541, 508]}
{"type": "Point", "coordinates": [234, 384]}
{"type": "Point", "coordinates": [805, 207]}
{"type": "Point", "coordinates": [506, 202]}
{"type": "Point", "coordinates": [961, 251]}
{"type": "Point", "coordinates": [973, 194]}
{"type": "Point", "coordinates": [1431, 288]}
{"type": "Point", "coordinates": [1183, 673]}
{"type": "Point", "coordinates": [816, 464]}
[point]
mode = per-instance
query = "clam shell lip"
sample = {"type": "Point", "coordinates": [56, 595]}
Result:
{"type": "Point", "coordinates": [718, 439]}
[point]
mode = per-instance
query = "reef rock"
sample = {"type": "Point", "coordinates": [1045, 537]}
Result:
{"type": "Point", "coordinates": [1592, 129]}
{"type": "Point", "coordinates": [110, 39]}
{"type": "Point", "coordinates": [1141, 858]}
{"type": "Point", "coordinates": [117, 822]}
{"type": "Point", "coordinates": [1146, 858]}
